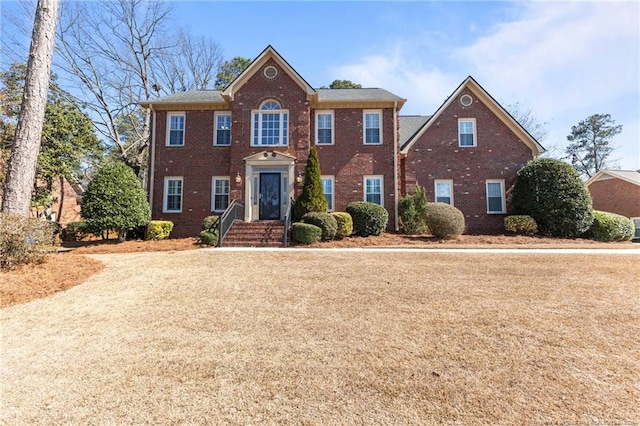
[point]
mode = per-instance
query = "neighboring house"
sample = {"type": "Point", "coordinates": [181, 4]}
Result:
{"type": "Point", "coordinates": [250, 142]}
{"type": "Point", "coordinates": [617, 191]}
{"type": "Point", "coordinates": [68, 199]}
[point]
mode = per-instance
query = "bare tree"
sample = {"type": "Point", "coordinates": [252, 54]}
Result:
{"type": "Point", "coordinates": [24, 153]}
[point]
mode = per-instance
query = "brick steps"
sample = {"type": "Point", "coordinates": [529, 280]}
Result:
{"type": "Point", "coordinates": [265, 233]}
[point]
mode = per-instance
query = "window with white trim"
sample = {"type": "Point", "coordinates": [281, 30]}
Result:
{"type": "Point", "coordinates": [222, 133]}
{"type": "Point", "coordinates": [173, 188]}
{"type": "Point", "coordinates": [327, 189]}
{"type": "Point", "coordinates": [175, 128]}
{"type": "Point", "coordinates": [372, 130]}
{"type": "Point", "coordinates": [495, 196]}
{"type": "Point", "coordinates": [324, 127]}
{"type": "Point", "coordinates": [636, 224]}
{"type": "Point", "coordinates": [444, 191]}
{"type": "Point", "coordinates": [467, 132]}
{"type": "Point", "coordinates": [220, 193]}
{"type": "Point", "coordinates": [270, 125]}
{"type": "Point", "coordinates": [373, 189]}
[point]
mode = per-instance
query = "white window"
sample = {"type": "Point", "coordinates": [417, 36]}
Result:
{"type": "Point", "coordinates": [175, 129]}
{"type": "Point", "coordinates": [467, 132]}
{"type": "Point", "coordinates": [444, 191]}
{"type": "Point", "coordinates": [495, 196]}
{"type": "Point", "coordinates": [372, 127]}
{"type": "Point", "coordinates": [270, 125]}
{"type": "Point", "coordinates": [222, 134]}
{"type": "Point", "coordinates": [173, 194]}
{"type": "Point", "coordinates": [324, 128]}
{"type": "Point", "coordinates": [220, 194]}
{"type": "Point", "coordinates": [327, 189]}
{"type": "Point", "coordinates": [636, 223]}
{"type": "Point", "coordinates": [373, 189]}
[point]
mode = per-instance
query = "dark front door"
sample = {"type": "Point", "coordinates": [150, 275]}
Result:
{"type": "Point", "coordinates": [269, 196]}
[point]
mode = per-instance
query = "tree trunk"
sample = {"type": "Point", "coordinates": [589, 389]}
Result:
{"type": "Point", "coordinates": [24, 153]}
{"type": "Point", "coordinates": [122, 235]}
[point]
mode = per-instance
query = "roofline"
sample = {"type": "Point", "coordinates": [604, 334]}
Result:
{"type": "Point", "coordinates": [478, 90]}
{"type": "Point", "coordinates": [611, 173]}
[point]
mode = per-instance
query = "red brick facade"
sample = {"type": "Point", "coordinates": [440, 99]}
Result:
{"type": "Point", "coordinates": [615, 195]}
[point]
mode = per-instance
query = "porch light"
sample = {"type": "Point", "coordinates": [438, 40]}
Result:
{"type": "Point", "coordinates": [238, 178]}
{"type": "Point", "coordinates": [299, 178]}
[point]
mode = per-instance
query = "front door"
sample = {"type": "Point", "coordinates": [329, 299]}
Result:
{"type": "Point", "coordinates": [269, 196]}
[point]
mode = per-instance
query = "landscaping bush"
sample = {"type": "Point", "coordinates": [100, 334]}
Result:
{"type": "Point", "coordinates": [305, 233]}
{"type": "Point", "coordinates": [610, 227]}
{"type": "Point", "coordinates": [368, 218]}
{"type": "Point", "coordinates": [210, 231]}
{"type": "Point", "coordinates": [312, 198]}
{"type": "Point", "coordinates": [23, 240]}
{"type": "Point", "coordinates": [208, 238]}
{"type": "Point", "coordinates": [444, 220]}
{"type": "Point", "coordinates": [324, 221]}
{"type": "Point", "coordinates": [411, 210]}
{"type": "Point", "coordinates": [552, 192]}
{"type": "Point", "coordinates": [159, 229]}
{"type": "Point", "coordinates": [520, 224]}
{"type": "Point", "coordinates": [345, 224]}
{"type": "Point", "coordinates": [75, 231]}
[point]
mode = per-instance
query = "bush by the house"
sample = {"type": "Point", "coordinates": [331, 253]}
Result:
{"type": "Point", "coordinates": [552, 192]}
{"type": "Point", "coordinates": [520, 224]}
{"type": "Point", "coordinates": [210, 231]}
{"type": "Point", "coordinates": [305, 233]}
{"type": "Point", "coordinates": [159, 229]}
{"type": "Point", "coordinates": [23, 240]}
{"type": "Point", "coordinates": [312, 198]}
{"type": "Point", "coordinates": [610, 227]}
{"type": "Point", "coordinates": [324, 221]}
{"type": "Point", "coordinates": [345, 224]}
{"type": "Point", "coordinates": [368, 218]}
{"type": "Point", "coordinates": [411, 210]}
{"type": "Point", "coordinates": [115, 200]}
{"type": "Point", "coordinates": [444, 220]}
{"type": "Point", "coordinates": [75, 231]}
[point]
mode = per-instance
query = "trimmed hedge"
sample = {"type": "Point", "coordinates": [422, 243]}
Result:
{"type": "Point", "coordinates": [520, 224]}
{"type": "Point", "coordinates": [368, 218]}
{"type": "Point", "coordinates": [210, 231]}
{"type": "Point", "coordinates": [324, 221]}
{"type": "Point", "coordinates": [608, 226]}
{"type": "Point", "coordinates": [208, 238]}
{"type": "Point", "coordinates": [159, 229]}
{"type": "Point", "coordinates": [24, 240]}
{"type": "Point", "coordinates": [444, 220]}
{"type": "Point", "coordinates": [305, 233]}
{"type": "Point", "coordinates": [345, 224]}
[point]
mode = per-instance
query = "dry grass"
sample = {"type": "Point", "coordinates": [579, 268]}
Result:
{"type": "Point", "coordinates": [327, 338]}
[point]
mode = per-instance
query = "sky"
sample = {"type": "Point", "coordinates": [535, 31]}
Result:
{"type": "Point", "coordinates": [564, 61]}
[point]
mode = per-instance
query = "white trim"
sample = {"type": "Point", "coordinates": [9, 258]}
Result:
{"type": "Point", "coordinates": [364, 125]}
{"type": "Point", "coordinates": [615, 174]}
{"type": "Point", "coordinates": [333, 132]}
{"type": "Point", "coordinates": [364, 187]}
{"type": "Point", "coordinates": [502, 194]}
{"type": "Point", "coordinates": [168, 130]}
{"type": "Point", "coordinates": [435, 190]}
{"type": "Point", "coordinates": [475, 132]}
{"type": "Point", "coordinates": [165, 193]}
{"type": "Point", "coordinates": [152, 174]}
{"type": "Point", "coordinates": [213, 191]}
{"type": "Point", "coordinates": [395, 166]}
{"type": "Point", "coordinates": [333, 190]}
{"type": "Point", "coordinates": [215, 127]}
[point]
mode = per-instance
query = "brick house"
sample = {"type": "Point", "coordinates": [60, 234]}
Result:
{"type": "Point", "coordinates": [617, 191]}
{"type": "Point", "coordinates": [250, 142]}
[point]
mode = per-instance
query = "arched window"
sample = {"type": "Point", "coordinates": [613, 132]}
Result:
{"type": "Point", "coordinates": [270, 124]}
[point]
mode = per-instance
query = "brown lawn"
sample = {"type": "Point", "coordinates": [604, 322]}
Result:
{"type": "Point", "coordinates": [324, 338]}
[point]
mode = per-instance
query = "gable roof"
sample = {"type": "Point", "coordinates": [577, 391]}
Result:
{"type": "Point", "coordinates": [492, 104]}
{"type": "Point", "coordinates": [631, 176]}
{"type": "Point", "coordinates": [188, 97]}
{"type": "Point", "coordinates": [268, 53]}
{"type": "Point", "coordinates": [357, 95]}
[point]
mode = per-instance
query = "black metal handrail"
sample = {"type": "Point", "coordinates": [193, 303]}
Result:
{"type": "Point", "coordinates": [234, 212]}
{"type": "Point", "coordinates": [287, 223]}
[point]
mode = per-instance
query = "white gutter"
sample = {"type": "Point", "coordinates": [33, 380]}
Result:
{"type": "Point", "coordinates": [153, 160]}
{"type": "Point", "coordinates": [395, 161]}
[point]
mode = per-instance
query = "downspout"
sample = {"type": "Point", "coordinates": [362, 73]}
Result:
{"type": "Point", "coordinates": [395, 162]}
{"type": "Point", "coordinates": [152, 169]}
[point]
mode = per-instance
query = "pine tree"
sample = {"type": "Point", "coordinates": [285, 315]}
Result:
{"type": "Point", "coordinates": [312, 198]}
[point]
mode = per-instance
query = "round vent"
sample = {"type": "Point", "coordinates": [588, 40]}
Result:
{"type": "Point", "coordinates": [466, 100]}
{"type": "Point", "coordinates": [270, 72]}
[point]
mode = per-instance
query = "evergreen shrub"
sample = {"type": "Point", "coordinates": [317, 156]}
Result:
{"type": "Point", "coordinates": [520, 224]}
{"type": "Point", "coordinates": [24, 240]}
{"type": "Point", "coordinates": [610, 227]}
{"type": "Point", "coordinates": [159, 229]}
{"type": "Point", "coordinates": [210, 231]}
{"type": "Point", "coordinates": [345, 224]}
{"type": "Point", "coordinates": [324, 221]}
{"type": "Point", "coordinates": [368, 218]}
{"type": "Point", "coordinates": [444, 221]}
{"type": "Point", "coordinates": [305, 233]}
{"type": "Point", "coordinates": [312, 198]}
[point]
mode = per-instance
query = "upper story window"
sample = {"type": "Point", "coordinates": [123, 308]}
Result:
{"type": "Point", "coordinates": [444, 191]}
{"type": "Point", "coordinates": [175, 128]}
{"type": "Point", "coordinates": [372, 127]}
{"type": "Point", "coordinates": [467, 132]}
{"type": "Point", "coordinates": [222, 135]}
{"type": "Point", "coordinates": [324, 128]}
{"type": "Point", "coordinates": [270, 125]}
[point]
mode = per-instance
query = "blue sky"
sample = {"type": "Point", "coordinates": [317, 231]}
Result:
{"type": "Point", "coordinates": [564, 60]}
